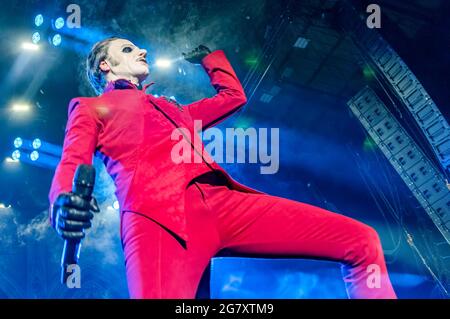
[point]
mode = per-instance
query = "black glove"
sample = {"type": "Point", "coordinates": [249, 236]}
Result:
{"type": "Point", "coordinates": [71, 214]}
{"type": "Point", "coordinates": [196, 56]}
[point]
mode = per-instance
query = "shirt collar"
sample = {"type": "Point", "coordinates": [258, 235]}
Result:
{"type": "Point", "coordinates": [122, 84]}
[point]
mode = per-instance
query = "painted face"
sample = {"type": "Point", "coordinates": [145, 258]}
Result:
{"type": "Point", "coordinates": [127, 61]}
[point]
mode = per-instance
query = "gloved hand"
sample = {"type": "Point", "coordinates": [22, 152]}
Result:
{"type": "Point", "coordinates": [71, 214]}
{"type": "Point", "coordinates": [196, 56]}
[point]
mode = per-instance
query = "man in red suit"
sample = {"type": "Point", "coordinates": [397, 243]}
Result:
{"type": "Point", "coordinates": [176, 216]}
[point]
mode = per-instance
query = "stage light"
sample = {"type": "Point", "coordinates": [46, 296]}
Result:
{"type": "Point", "coordinates": [59, 23]}
{"type": "Point", "coordinates": [35, 38]}
{"type": "Point", "coordinates": [20, 107]}
{"type": "Point", "coordinates": [116, 205]}
{"type": "Point", "coordinates": [30, 46]}
{"type": "Point", "coordinates": [181, 71]}
{"type": "Point", "coordinates": [368, 72]}
{"type": "Point", "coordinates": [163, 63]}
{"type": "Point", "coordinates": [38, 20]}
{"type": "Point", "coordinates": [369, 145]}
{"type": "Point", "coordinates": [34, 155]}
{"type": "Point", "coordinates": [15, 155]}
{"type": "Point", "coordinates": [18, 142]}
{"type": "Point", "coordinates": [36, 143]}
{"type": "Point", "coordinates": [39, 159]}
{"type": "Point", "coordinates": [45, 147]}
{"type": "Point", "coordinates": [172, 98]}
{"type": "Point", "coordinates": [10, 160]}
{"type": "Point", "coordinates": [251, 61]}
{"type": "Point", "coordinates": [56, 40]}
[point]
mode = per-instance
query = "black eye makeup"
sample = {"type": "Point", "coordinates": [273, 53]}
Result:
{"type": "Point", "coordinates": [127, 49]}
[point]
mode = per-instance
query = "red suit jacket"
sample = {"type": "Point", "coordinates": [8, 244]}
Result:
{"type": "Point", "coordinates": [131, 131]}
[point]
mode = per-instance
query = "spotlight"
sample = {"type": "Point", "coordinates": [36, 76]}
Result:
{"type": "Point", "coordinates": [59, 23]}
{"type": "Point", "coordinates": [46, 147]}
{"type": "Point", "coordinates": [10, 160]}
{"type": "Point", "coordinates": [35, 38]}
{"type": "Point", "coordinates": [18, 142]}
{"type": "Point", "coordinates": [36, 143]}
{"type": "Point", "coordinates": [20, 107]}
{"type": "Point", "coordinates": [116, 205]}
{"type": "Point", "coordinates": [30, 46]}
{"type": "Point", "coordinates": [34, 155]}
{"type": "Point", "coordinates": [15, 155]}
{"type": "Point", "coordinates": [38, 20]}
{"type": "Point", "coordinates": [163, 63]}
{"type": "Point", "coordinates": [56, 40]}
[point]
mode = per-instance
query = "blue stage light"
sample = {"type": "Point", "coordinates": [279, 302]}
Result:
{"type": "Point", "coordinates": [56, 40]}
{"type": "Point", "coordinates": [36, 37]}
{"type": "Point", "coordinates": [18, 142]}
{"type": "Point", "coordinates": [59, 23]}
{"type": "Point", "coordinates": [34, 155]}
{"type": "Point", "coordinates": [15, 155]}
{"type": "Point", "coordinates": [38, 20]}
{"type": "Point", "coordinates": [36, 143]}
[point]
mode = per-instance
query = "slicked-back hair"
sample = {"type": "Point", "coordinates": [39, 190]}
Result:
{"type": "Point", "coordinates": [98, 53]}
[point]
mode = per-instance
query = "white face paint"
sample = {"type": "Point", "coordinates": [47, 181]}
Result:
{"type": "Point", "coordinates": [125, 61]}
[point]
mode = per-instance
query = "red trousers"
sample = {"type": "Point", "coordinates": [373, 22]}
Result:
{"type": "Point", "coordinates": [159, 266]}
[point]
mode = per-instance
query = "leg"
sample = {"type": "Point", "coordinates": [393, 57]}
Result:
{"type": "Point", "coordinates": [263, 224]}
{"type": "Point", "coordinates": [157, 265]}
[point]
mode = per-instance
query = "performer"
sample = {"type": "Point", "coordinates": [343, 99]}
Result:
{"type": "Point", "coordinates": [176, 217]}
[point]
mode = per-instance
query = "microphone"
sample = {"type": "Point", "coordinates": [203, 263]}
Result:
{"type": "Point", "coordinates": [83, 185]}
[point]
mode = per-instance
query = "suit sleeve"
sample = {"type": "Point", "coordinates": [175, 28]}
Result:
{"type": "Point", "coordinates": [230, 95]}
{"type": "Point", "coordinates": [79, 146]}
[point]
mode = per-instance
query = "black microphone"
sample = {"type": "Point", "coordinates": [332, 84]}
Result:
{"type": "Point", "coordinates": [83, 185]}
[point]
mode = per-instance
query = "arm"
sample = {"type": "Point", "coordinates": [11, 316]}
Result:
{"type": "Point", "coordinates": [79, 145]}
{"type": "Point", "coordinates": [230, 95]}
